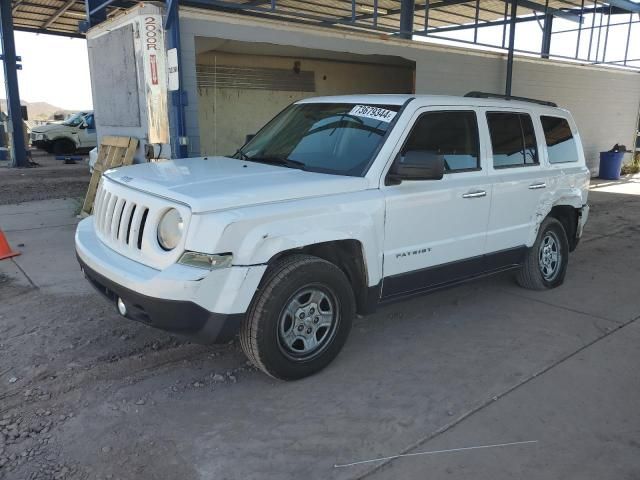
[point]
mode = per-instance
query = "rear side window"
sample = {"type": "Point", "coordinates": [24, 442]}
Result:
{"type": "Point", "coordinates": [452, 134]}
{"type": "Point", "coordinates": [561, 145]}
{"type": "Point", "coordinates": [512, 139]}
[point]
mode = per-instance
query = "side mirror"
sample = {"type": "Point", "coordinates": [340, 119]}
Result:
{"type": "Point", "coordinates": [248, 138]}
{"type": "Point", "coordinates": [418, 165]}
{"type": "Point", "coordinates": [83, 125]}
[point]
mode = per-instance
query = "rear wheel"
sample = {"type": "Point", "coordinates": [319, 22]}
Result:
{"type": "Point", "coordinates": [545, 265]}
{"type": "Point", "coordinates": [299, 319]}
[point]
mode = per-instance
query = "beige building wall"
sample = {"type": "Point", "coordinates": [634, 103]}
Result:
{"type": "Point", "coordinates": [227, 115]}
{"type": "Point", "coordinates": [604, 101]}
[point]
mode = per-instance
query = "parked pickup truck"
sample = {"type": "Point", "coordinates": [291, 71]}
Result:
{"type": "Point", "coordinates": [78, 132]}
{"type": "Point", "coordinates": [338, 205]}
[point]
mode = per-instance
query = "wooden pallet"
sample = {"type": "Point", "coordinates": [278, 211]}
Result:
{"type": "Point", "coordinates": [113, 152]}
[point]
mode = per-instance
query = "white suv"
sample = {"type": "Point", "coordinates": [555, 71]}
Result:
{"type": "Point", "coordinates": [338, 205]}
{"type": "Point", "coordinates": [76, 133]}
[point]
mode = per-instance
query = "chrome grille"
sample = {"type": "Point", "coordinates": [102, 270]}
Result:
{"type": "Point", "coordinates": [118, 220]}
{"type": "Point", "coordinates": [126, 219]}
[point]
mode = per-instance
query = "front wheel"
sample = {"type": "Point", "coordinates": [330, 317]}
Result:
{"type": "Point", "coordinates": [300, 318]}
{"type": "Point", "coordinates": [545, 264]}
{"type": "Point", "coordinates": [63, 146]}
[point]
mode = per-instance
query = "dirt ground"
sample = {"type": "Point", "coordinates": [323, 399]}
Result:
{"type": "Point", "coordinates": [51, 178]}
{"type": "Point", "coordinates": [85, 394]}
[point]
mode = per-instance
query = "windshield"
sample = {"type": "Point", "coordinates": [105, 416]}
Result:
{"type": "Point", "coordinates": [337, 138]}
{"type": "Point", "coordinates": [74, 120]}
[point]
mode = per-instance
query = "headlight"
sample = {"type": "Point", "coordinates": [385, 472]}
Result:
{"type": "Point", "coordinates": [170, 229]}
{"type": "Point", "coordinates": [205, 260]}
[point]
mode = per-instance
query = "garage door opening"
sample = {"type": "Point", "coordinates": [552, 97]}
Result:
{"type": "Point", "coordinates": [242, 85]}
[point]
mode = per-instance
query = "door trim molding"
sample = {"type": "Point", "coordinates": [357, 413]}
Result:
{"type": "Point", "coordinates": [440, 276]}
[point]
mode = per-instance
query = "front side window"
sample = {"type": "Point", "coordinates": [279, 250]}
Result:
{"type": "Point", "coordinates": [513, 139]}
{"type": "Point", "coordinates": [89, 121]}
{"type": "Point", "coordinates": [73, 120]}
{"type": "Point", "coordinates": [561, 146]}
{"type": "Point", "coordinates": [450, 134]}
{"type": "Point", "coordinates": [336, 138]}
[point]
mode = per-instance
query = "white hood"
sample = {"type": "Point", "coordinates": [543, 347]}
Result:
{"type": "Point", "coordinates": [51, 127]}
{"type": "Point", "coordinates": [220, 183]}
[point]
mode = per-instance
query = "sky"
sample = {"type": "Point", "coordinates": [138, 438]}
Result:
{"type": "Point", "coordinates": [56, 69]}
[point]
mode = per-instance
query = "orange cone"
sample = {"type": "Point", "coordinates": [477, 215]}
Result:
{"type": "Point", "coordinates": [5, 249]}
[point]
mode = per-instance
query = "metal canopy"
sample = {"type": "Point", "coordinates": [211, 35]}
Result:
{"type": "Point", "coordinates": [409, 19]}
{"type": "Point", "coordinates": [439, 19]}
{"type": "Point", "coordinates": [54, 17]}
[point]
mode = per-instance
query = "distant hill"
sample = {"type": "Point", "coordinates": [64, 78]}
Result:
{"type": "Point", "coordinates": [38, 110]}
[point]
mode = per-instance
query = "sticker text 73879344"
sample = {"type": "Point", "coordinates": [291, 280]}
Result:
{"type": "Point", "coordinates": [375, 113]}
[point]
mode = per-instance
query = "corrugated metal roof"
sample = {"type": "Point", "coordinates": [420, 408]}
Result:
{"type": "Point", "coordinates": [63, 16]}
{"type": "Point", "coordinates": [49, 16]}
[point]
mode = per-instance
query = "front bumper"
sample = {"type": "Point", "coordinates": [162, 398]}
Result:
{"type": "Point", "coordinates": [176, 316]}
{"type": "Point", "coordinates": [208, 306]}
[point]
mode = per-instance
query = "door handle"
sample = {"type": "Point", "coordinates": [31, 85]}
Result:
{"type": "Point", "coordinates": [536, 186]}
{"type": "Point", "coordinates": [475, 194]}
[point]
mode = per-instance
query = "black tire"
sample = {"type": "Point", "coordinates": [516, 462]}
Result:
{"type": "Point", "coordinates": [533, 275]}
{"type": "Point", "coordinates": [63, 146]}
{"type": "Point", "coordinates": [261, 333]}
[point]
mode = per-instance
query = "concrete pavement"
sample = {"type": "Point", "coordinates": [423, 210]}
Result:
{"type": "Point", "coordinates": [43, 232]}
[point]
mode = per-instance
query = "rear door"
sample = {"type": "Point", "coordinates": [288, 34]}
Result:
{"type": "Point", "coordinates": [518, 180]}
{"type": "Point", "coordinates": [435, 230]}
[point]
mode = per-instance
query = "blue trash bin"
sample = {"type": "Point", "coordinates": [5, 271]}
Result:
{"type": "Point", "coordinates": [610, 165]}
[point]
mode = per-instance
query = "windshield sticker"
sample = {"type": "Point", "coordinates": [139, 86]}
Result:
{"type": "Point", "coordinates": [374, 113]}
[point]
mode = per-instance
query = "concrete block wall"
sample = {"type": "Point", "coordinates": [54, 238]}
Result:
{"type": "Point", "coordinates": [604, 101]}
{"type": "Point", "coordinates": [227, 115]}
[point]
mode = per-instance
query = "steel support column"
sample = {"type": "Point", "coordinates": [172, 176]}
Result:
{"type": "Point", "coordinates": [10, 60]}
{"type": "Point", "coordinates": [179, 147]}
{"type": "Point", "coordinates": [512, 41]}
{"type": "Point", "coordinates": [407, 8]}
{"type": "Point", "coordinates": [546, 36]}
{"type": "Point", "coordinates": [96, 12]}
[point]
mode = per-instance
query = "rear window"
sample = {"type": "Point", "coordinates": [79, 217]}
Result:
{"type": "Point", "coordinates": [561, 146]}
{"type": "Point", "coordinates": [452, 134]}
{"type": "Point", "coordinates": [512, 139]}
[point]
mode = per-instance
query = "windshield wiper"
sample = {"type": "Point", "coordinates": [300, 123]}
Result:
{"type": "Point", "coordinates": [240, 154]}
{"type": "Point", "coordinates": [286, 162]}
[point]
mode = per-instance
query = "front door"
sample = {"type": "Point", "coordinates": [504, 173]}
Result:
{"type": "Point", "coordinates": [435, 230]}
{"type": "Point", "coordinates": [87, 136]}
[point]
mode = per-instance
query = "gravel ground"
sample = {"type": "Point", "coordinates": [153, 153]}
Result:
{"type": "Point", "coordinates": [51, 179]}
{"type": "Point", "coordinates": [62, 356]}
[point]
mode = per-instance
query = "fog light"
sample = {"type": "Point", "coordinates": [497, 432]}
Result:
{"type": "Point", "coordinates": [122, 308]}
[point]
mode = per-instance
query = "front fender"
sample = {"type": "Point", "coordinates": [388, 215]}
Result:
{"type": "Point", "coordinates": [63, 135]}
{"type": "Point", "coordinates": [256, 234]}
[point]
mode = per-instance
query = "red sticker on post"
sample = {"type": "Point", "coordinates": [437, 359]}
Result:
{"type": "Point", "coordinates": [154, 69]}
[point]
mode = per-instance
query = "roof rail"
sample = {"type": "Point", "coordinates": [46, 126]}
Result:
{"type": "Point", "coordinates": [510, 97]}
